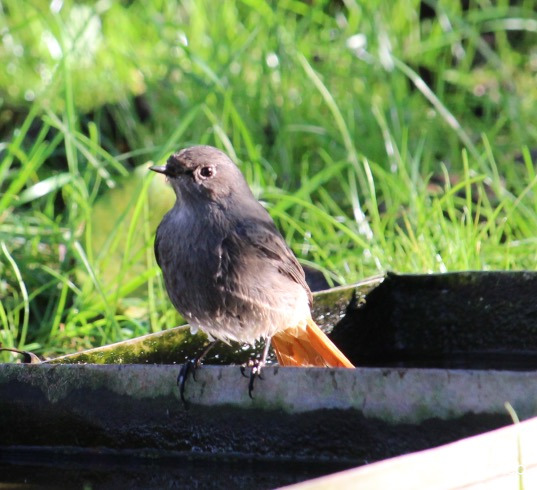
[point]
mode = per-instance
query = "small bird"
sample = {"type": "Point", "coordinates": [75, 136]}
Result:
{"type": "Point", "coordinates": [228, 270]}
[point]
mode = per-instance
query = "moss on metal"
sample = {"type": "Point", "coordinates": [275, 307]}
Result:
{"type": "Point", "coordinates": [176, 345]}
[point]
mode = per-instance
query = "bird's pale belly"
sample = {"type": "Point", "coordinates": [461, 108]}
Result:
{"type": "Point", "coordinates": [239, 313]}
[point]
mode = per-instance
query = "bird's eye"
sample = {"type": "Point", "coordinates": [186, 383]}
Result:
{"type": "Point", "coordinates": [206, 172]}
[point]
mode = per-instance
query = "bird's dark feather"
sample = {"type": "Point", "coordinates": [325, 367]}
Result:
{"type": "Point", "coordinates": [267, 240]}
{"type": "Point", "coordinates": [156, 246]}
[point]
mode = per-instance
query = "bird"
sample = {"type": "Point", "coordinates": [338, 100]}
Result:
{"type": "Point", "coordinates": [227, 269]}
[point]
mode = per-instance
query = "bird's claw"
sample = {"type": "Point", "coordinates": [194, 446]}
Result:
{"type": "Point", "coordinates": [254, 373]}
{"type": "Point", "coordinates": [188, 366]}
{"type": "Point", "coordinates": [250, 364]}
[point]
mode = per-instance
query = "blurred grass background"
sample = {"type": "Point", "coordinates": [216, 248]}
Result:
{"type": "Point", "coordinates": [380, 135]}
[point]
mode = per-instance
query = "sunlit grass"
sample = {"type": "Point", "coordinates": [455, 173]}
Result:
{"type": "Point", "coordinates": [377, 140]}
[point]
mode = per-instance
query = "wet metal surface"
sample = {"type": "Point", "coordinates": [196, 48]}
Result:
{"type": "Point", "coordinates": [464, 320]}
{"type": "Point", "coordinates": [308, 422]}
{"type": "Point", "coordinates": [113, 419]}
{"type": "Point", "coordinates": [311, 414]}
{"type": "Point", "coordinates": [101, 469]}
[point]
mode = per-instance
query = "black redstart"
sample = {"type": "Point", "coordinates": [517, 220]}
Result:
{"type": "Point", "coordinates": [228, 270]}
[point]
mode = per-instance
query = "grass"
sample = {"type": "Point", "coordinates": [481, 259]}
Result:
{"type": "Point", "coordinates": [380, 136]}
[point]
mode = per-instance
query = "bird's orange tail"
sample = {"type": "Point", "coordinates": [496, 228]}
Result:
{"type": "Point", "coordinates": [307, 347]}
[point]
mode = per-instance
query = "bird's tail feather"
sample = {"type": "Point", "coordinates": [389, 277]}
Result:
{"type": "Point", "coordinates": [307, 347]}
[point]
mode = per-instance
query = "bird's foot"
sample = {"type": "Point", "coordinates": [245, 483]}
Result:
{"type": "Point", "coordinates": [256, 366]}
{"type": "Point", "coordinates": [191, 366]}
{"type": "Point", "coordinates": [255, 372]}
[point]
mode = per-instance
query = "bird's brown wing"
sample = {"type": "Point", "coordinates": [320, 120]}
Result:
{"type": "Point", "coordinates": [264, 237]}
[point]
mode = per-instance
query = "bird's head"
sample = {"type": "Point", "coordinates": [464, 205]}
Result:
{"type": "Point", "coordinates": [203, 173]}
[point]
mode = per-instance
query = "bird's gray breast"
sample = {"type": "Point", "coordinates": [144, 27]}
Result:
{"type": "Point", "coordinates": [189, 253]}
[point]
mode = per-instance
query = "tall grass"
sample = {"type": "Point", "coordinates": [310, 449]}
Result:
{"type": "Point", "coordinates": [380, 136]}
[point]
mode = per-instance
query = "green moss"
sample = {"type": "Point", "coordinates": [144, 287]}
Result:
{"type": "Point", "coordinates": [158, 348]}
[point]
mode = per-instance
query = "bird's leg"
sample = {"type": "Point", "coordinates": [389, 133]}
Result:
{"type": "Point", "coordinates": [257, 365]}
{"type": "Point", "coordinates": [191, 365]}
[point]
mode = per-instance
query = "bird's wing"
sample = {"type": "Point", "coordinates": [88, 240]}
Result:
{"type": "Point", "coordinates": [264, 237]}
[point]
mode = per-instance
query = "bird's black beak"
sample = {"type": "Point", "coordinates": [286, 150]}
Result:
{"type": "Point", "coordinates": [174, 168]}
{"type": "Point", "coordinates": [161, 169]}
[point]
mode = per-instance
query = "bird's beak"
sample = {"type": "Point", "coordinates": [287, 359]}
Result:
{"type": "Point", "coordinates": [161, 169]}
